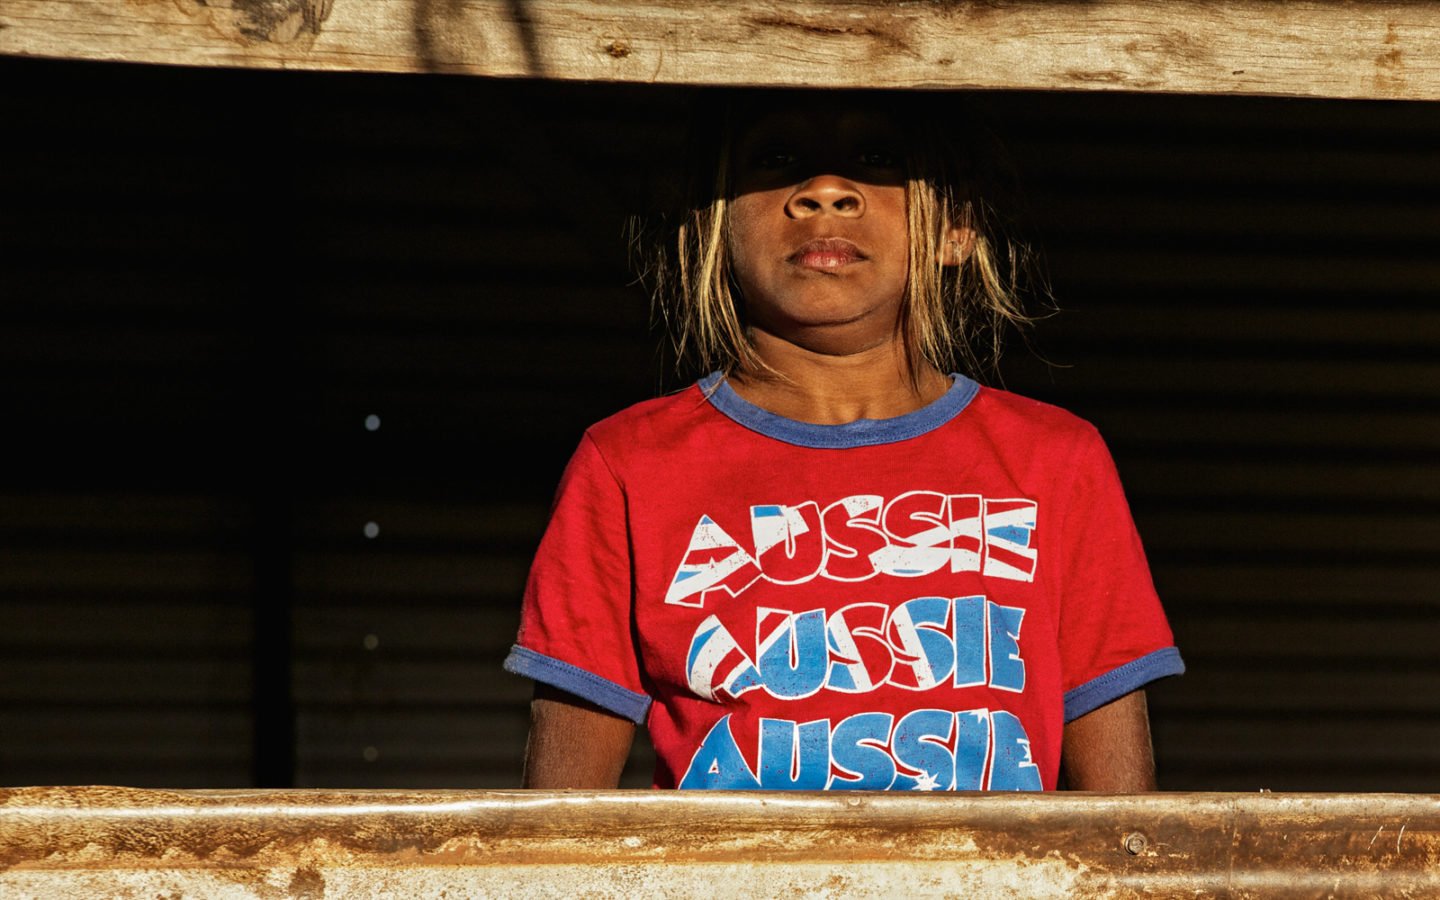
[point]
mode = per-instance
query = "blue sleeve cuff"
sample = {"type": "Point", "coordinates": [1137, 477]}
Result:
{"type": "Point", "coordinates": [574, 680]}
{"type": "Point", "coordinates": [1118, 682]}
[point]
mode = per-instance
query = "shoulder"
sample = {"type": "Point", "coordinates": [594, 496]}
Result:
{"type": "Point", "coordinates": [670, 431]}
{"type": "Point", "coordinates": [614, 449]}
{"type": "Point", "coordinates": [1042, 439]}
{"type": "Point", "coordinates": [648, 419]}
{"type": "Point", "coordinates": [1031, 420]}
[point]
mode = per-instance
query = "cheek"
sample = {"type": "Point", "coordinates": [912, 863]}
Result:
{"type": "Point", "coordinates": [890, 208]}
{"type": "Point", "coordinates": [895, 232]}
{"type": "Point", "coordinates": [748, 237]}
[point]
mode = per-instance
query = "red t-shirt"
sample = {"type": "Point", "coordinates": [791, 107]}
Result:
{"type": "Point", "coordinates": [912, 603]}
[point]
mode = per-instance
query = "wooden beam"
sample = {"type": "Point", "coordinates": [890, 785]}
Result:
{"type": "Point", "coordinates": [1320, 48]}
{"type": "Point", "coordinates": [104, 842]}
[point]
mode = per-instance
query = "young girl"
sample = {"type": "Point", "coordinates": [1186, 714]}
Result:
{"type": "Point", "coordinates": [829, 563]}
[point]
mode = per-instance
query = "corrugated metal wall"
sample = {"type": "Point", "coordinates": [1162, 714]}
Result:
{"type": "Point", "coordinates": [1252, 320]}
{"type": "Point", "coordinates": [291, 363]}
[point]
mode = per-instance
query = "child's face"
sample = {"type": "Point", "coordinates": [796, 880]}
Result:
{"type": "Point", "coordinates": [818, 237]}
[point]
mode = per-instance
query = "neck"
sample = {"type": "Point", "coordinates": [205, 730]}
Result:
{"type": "Point", "coordinates": [824, 389]}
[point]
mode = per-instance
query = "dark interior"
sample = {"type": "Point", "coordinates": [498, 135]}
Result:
{"type": "Point", "coordinates": [218, 570]}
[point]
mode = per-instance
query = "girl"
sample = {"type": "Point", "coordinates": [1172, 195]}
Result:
{"type": "Point", "coordinates": [829, 564]}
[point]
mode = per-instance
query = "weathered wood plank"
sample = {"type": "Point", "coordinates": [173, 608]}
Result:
{"type": "Point", "coordinates": [1329, 48]}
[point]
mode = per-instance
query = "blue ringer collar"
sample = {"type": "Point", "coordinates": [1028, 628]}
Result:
{"type": "Point", "coordinates": [860, 433]}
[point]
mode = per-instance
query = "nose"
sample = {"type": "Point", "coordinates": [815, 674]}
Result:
{"type": "Point", "coordinates": [826, 195]}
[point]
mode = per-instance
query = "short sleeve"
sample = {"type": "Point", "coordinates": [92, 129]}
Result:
{"type": "Point", "coordinates": [1114, 637]}
{"type": "Point", "coordinates": [575, 623]}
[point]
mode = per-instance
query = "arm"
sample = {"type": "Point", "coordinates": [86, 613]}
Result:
{"type": "Point", "coordinates": [1108, 749]}
{"type": "Point", "coordinates": [574, 743]}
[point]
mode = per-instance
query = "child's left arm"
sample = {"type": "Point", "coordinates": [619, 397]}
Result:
{"type": "Point", "coordinates": [1108, 749]}
{"type": "Point", "coordinates": [1113, 637]}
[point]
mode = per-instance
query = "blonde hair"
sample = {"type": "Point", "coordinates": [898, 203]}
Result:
{"type": "Point", "coordinates": [952, 317]}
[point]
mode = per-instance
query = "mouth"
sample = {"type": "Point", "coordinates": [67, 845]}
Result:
{"type": "Point", "coordinates": [826, 254]}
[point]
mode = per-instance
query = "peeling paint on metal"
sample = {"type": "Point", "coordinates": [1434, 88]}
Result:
{"type": "Point", "coordinates": [316, 844]}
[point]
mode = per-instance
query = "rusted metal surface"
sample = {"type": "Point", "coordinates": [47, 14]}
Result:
{"type": "Point", "coordinates": [119, 842]}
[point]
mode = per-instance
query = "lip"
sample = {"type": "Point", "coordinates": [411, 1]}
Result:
{"type": "Point", "coordinates": [826, 254]}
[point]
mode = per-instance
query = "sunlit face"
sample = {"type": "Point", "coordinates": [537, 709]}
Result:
{"type": "Point", "coordinates": [818, 237]}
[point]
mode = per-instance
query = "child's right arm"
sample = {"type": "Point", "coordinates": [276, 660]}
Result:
{"type": "Point", "coordinates": [574, 743]}
{"type": "Point", "coordinates": [575, 639]}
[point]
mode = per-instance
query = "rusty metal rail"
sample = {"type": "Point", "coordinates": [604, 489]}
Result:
{"type": "Point", "coordinates": [122, 842]}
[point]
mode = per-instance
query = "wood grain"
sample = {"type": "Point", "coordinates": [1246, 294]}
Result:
{"type": "Point", "coordinates": [1381, 49]}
